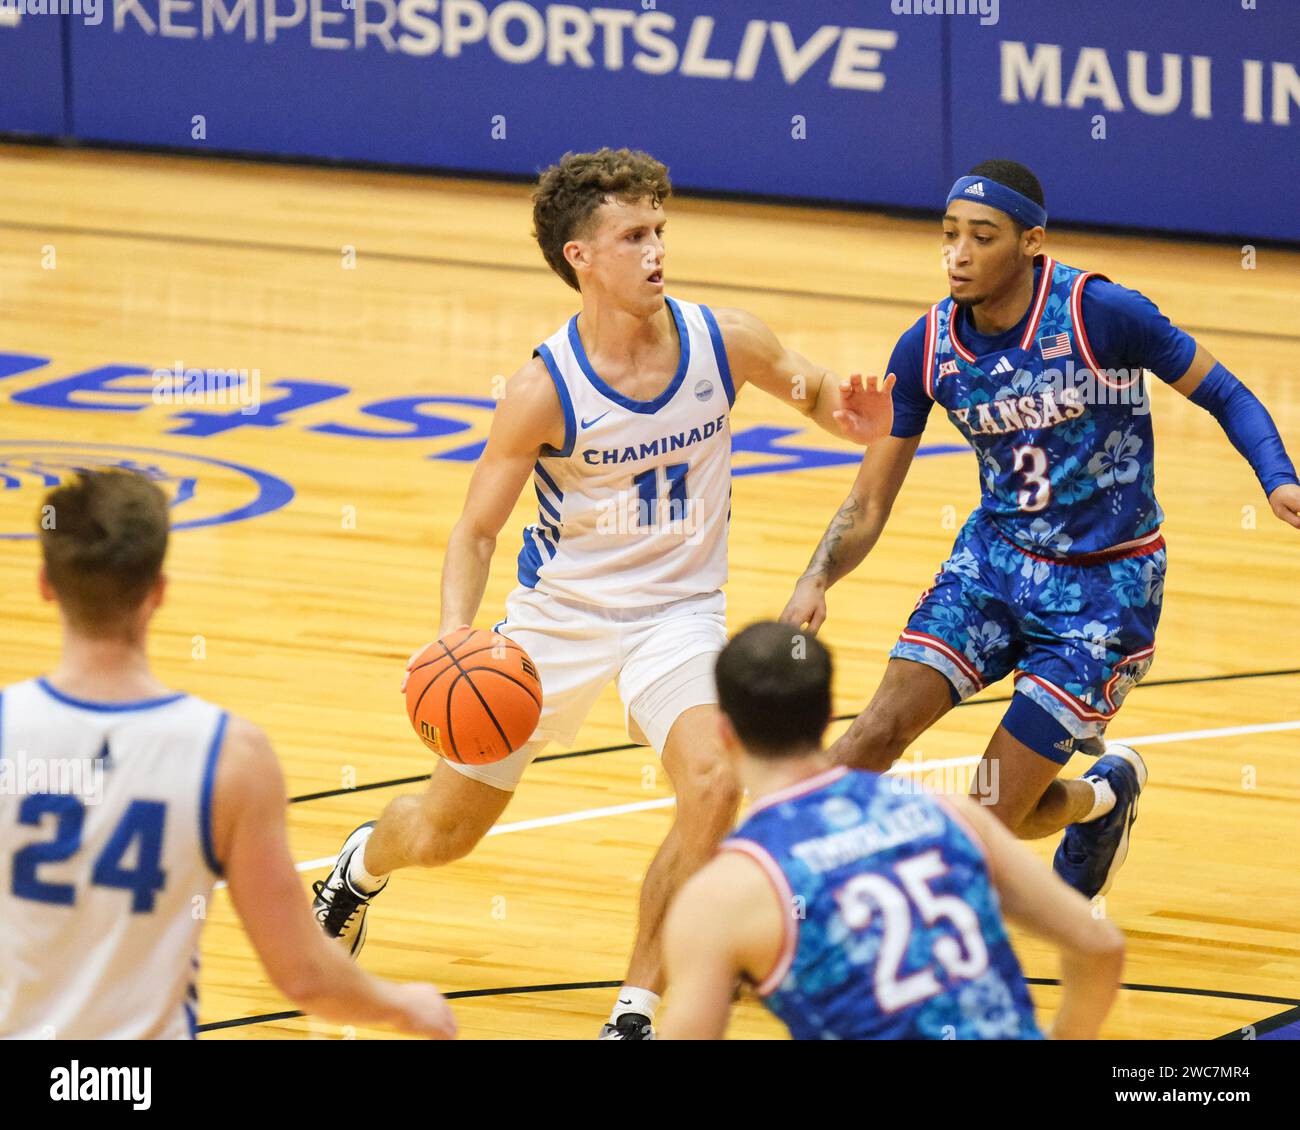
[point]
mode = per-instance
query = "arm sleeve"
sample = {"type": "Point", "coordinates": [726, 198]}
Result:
{"type": "Point", "coordinates": [911, 405]}
{"type": "Point", "coordinates": [1128, 331]}
{"type": "Point", "coordinates": [1248, 425]}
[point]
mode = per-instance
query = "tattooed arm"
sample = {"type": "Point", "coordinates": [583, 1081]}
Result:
{"type": "Point", "coordinates": [855, 528]}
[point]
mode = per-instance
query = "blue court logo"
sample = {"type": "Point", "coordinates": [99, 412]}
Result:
{"type": "Point", "coordinates": [203, 491]}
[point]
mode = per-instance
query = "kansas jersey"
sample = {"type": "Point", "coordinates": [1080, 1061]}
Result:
{"type": "Point", "coordinates": [106, 862]}
{"type": "Point", "coordinates": [1062, 431]}
{"type": "Point", "coordinates": [634, 509]}
{"type": "Point", "coordinates": [893, 929]}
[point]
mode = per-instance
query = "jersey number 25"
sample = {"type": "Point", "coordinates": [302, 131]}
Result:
{"type": "Point", "coordinates": [863, 896]}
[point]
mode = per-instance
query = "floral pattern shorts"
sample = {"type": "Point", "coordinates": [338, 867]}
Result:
{"type": "Point", "coordinates": [1079, 637]}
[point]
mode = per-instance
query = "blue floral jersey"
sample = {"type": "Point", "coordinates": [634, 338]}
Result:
{"type": "Point", "coordinates": [1055, 408]}
{"type": "Point", "coordinates": [895, 931]}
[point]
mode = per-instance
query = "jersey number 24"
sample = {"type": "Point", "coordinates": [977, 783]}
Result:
{"type": "Point", "coordinates": [141, 826]}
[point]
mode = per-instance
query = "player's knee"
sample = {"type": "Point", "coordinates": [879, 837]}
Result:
{"type": "Point", "coordinates": [710, 788]}
{"type": "Point", "coordinates": [877, 739]}
{"type": "Point", "coordinates": [445, 842]}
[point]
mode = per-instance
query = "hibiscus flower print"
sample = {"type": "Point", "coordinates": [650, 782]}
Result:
{"type": "Point", "coordinates": [1128, 585]}
{"type": "Point", "coordinates": [1099, 638]}
{"type": "Point", "coordinates": [1072, 482]}
{"type": "Point", "coordinates": [990, 468]}
{"type": "Point", "coordinates": [1004, 558]}
{"type": "Point", "coordinates": [1116, 462]}
{"type": "Point", "coordinates": [1035, 570]}
{"type": "Point", "coordinates": [1055, 316]}
{"type": "Point", "coordinates": [1078, 430]}
{"type": "Point", "coordinates": [964, 564]}
{"type": "Point", "coordinates": [983, 641]}
{"type": "Point", "coordinates": [1010, 561]}
{"type": "Point", "coordinates": [1049, 539]}
{"type": "Point", "coordinates": [1153, 577]}
{"type": "Point", "coordinates": [946, 620]}
{"type": "Point", "coordinates": [1059, 595]}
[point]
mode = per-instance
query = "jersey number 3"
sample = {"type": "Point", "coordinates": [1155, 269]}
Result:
{"type": "Point", "coordinates": [863, 895]}
{"type": "Point", "coordinates": [141, 827]}
{"type": "Point", "coordinates": [1031, 462]}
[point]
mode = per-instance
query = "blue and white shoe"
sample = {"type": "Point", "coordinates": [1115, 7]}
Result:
{"type": "Point", "coordinates": [1091, 854]}
{"type": "Point", "coordinates": [339, 907]}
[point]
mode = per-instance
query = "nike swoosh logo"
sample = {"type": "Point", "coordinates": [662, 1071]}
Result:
{"type": "Point", "coordinates": [622, 1001]}
{"type": "Point", "coordinates": [588, 423]}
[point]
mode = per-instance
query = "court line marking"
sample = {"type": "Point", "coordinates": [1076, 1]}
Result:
{"type": "Point", "coordinates": [1148, 739]}
{"type": "Point", "coordinates": [666, 802]}
{"type": "Point", "coordinates": [1149, 684]}
{"type": "Point", "coordinates": [541, 269]}
{"type": "Point", "coordinates": [1266, 1025]}
{"type": "Point", "coordinates": [568, 986]}
{"type": "Point", "coordinates": [899, 768]}
{"type": "Point", "coordinates": [456, 994]}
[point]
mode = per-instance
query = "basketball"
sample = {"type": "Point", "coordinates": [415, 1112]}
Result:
{"type": "Point", "coordinates": [473, 696]}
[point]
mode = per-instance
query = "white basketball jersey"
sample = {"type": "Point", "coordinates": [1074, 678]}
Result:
{"type": "Point", "coordinates": [106, 862]}
{"type": "Point", "coordinates": [634, 510]}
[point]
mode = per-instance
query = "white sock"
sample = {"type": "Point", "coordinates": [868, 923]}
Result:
{"type": "Point", "coordinates": [631, 999]}
{"type": "Point", "coordinates": [1104, 799]}
{"type": "Point", "coordinates": [359, 877]}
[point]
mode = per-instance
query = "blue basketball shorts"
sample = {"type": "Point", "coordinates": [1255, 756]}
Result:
{"type": "Point", "coordinates": [1078, 637]}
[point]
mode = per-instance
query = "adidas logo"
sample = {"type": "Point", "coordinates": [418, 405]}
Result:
{"type": "Point", "coordinates": [1065, 745]}
{"type": "Point", "coordinates": [1003, 366]}
{"type": "Point", "coordinates": [976, 189]}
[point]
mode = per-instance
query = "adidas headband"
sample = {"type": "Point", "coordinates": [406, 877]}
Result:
{"type": "Point", "coordinates": [984, 191]}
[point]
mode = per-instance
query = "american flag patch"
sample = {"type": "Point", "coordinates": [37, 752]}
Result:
{"type": "Point", "coordinates": [1058, 345]}
{"type": "Point", "coordinates": [947, 368]}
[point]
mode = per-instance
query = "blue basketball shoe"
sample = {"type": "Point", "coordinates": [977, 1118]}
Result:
{"type": "Point", "coordinates": [1090, 855]}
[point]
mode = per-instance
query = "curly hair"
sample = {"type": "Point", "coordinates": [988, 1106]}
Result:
{"type": "Point", "coordinates": [569, 193]}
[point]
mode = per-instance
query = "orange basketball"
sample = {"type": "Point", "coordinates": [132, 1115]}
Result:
{"type": "Point", "coordinates": [473, 696]}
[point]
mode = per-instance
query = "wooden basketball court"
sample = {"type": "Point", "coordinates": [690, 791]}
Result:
{"type": "Point", "coordinates": [371, 287]}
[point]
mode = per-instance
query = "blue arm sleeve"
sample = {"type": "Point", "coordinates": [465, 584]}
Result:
{"type": "Point", "coordinates": [1248, 424]}
{"type": "Point", "coordinates": [911, 405]}
{"type": "Point", "coordinates": [1128, 331]}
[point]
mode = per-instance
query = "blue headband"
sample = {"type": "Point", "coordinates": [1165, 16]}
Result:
{"type": "Point", "coordinates": [984, 191]}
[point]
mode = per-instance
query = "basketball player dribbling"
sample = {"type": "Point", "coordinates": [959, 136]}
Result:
{"type": "Point", "coordinates": [1058, 575]}
{"type": "Point", "coordinates": [125, 801]}
{"type": "Point", "coordinates": [621, 421]}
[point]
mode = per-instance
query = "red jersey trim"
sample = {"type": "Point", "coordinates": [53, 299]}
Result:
{"type": "Point", "coordinates": [790, 927]}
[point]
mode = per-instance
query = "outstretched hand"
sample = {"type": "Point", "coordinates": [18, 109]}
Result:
{"type": "Point", "coordinates": [866, 410]}
{"type": "Point", "coordinates": [1285, 501]}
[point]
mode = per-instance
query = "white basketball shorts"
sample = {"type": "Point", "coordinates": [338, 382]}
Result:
{"type": "Point", "coordinates": [662, 658]}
